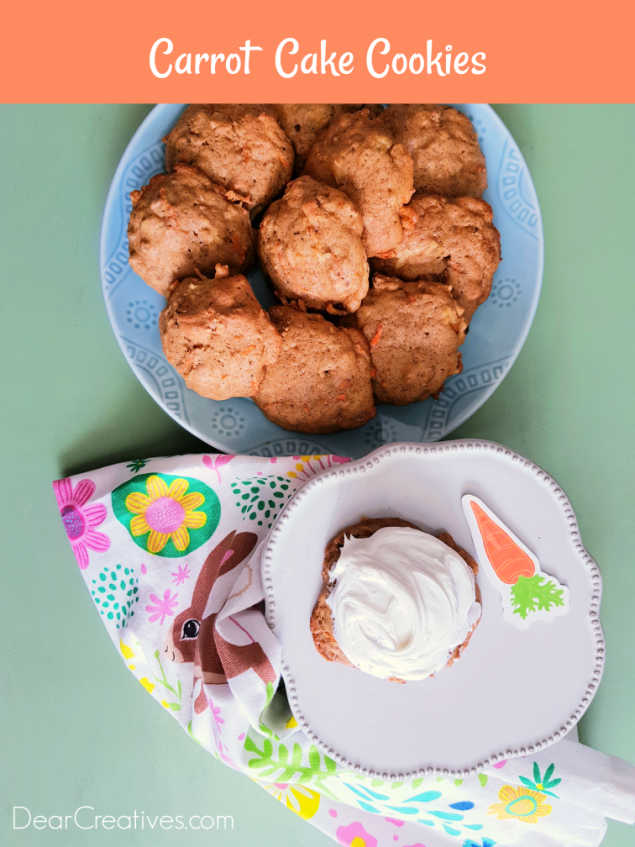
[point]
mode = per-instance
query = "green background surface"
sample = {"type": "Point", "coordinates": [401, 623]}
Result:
{"type": "Point", "coordinates": [77, 728]}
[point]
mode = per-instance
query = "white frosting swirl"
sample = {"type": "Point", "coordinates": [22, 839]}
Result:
{"type": "Point", "coordinates": [402, 600]}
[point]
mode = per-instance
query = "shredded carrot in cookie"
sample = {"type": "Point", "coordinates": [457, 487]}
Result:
{"type": "Point", "coordinates": [375, 339]}
{"type": "Point", "coordinates": [408, 218]}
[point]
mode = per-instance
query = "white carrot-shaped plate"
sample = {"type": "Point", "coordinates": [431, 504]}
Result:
{"type": "Point", "coordinates": [527, 592]}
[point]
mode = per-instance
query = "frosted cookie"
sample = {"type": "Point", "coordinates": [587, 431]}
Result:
{"type": "Point", "coordinates": [396, 602]}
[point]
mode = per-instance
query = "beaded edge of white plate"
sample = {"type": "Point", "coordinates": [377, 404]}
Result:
{"type": "Point", "coordinates": [360, 466]}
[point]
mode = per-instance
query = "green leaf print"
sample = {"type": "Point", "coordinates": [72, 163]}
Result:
{"type": "Point", "coordinates": [261, 498]}
{"type": "Point", "coordinates": [115, 592]}
{"type": "Point", "coordinates": [162, 680]}
{"type": "Point", "coordinates": [543, 783]}
{"type": "Point", "coordinates": [535, 593]}
{"type": "Point", "coordinates": [289, 765]}
{"type": "Point", "coordinates": [136, 464]}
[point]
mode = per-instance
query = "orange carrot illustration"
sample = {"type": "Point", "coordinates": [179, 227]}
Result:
{"type": "Point", "coordinates": [508, 560]}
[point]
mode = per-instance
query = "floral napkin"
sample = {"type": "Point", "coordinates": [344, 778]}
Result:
{"type": "Point", "coordinates": [169, 550]}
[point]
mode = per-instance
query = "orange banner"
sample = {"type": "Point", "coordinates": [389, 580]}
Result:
{"type": "Point", "coordinates": [322, 51]}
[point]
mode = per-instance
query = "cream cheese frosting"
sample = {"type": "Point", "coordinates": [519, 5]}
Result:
{"type": "Point", "coordinates": [401, 602]}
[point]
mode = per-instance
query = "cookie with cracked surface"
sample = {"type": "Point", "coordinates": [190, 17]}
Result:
{"type": "Point", "coordinates": [181, 222]}
{"type": "Point", "coordinates": [444, 148]}
{"type": "Point", "coordinates": [310, 244]}
{"type": "Point", "coordinates": [241, 147]}
{"type": "Point", "coordinates": [358, 153]}
{"type": "Point", "coordinates": [414, 331]}
{"type": "Point", "coordinates": [217, 336]}
{"type": "Point", "coordinates": [321, 382]}
{"type": "Point", "coordinates": [453, 240]}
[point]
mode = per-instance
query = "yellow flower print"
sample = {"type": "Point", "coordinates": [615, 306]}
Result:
{"type": "Point", "coordinates": [308, 466]}
{"type": "Point", "coordinates": [149, 686]}
{"type": "Point", "coordinates": [303, 801]}
{"type": "Point", "coordinates": [167, 516]}
{"type": "Point", "coordinates": [520, 803]}
{"type": "Point", "coordinates": [165, 513]}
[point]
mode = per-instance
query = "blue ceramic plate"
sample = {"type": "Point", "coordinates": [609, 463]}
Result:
{"type": "Point", "coordinates": [496, 334]}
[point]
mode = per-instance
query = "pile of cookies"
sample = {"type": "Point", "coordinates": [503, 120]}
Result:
{"type": "Point", "coordinates": [391, 192]}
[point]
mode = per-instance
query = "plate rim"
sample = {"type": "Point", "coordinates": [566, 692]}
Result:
{"type": "Point", "coordinates": [215, 440]}
{"type": "Point", "coordinates": [590, 566]}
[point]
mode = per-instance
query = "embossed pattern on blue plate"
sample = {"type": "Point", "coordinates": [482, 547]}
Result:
{"type": "Point", "coordinates": [496, 334]}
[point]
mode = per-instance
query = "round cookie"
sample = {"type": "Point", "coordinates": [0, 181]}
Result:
{"type": "Point", "coordinates": [310, 244]}
{"type": "Point", "coordinates": [414, 331]}
{"type": "Point", "coordinates": [322, 624]}
{"type": "Point", "coordinates": [358, 153]}
{"type": "Point", "coordinates": [180, 223]}
{"type": "Point", "coordinates": [444, 148]}
{"type": "Point", "coordinates": [454, 240]}
{"type": "Point", "coordinates": [217, 336]}
{"type": "Point", "coordinates": [321, 381]}
{"type": "Point", "coordinates": [241, 147]}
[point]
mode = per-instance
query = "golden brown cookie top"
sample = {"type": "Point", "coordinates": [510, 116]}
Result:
{"type": "Point", "coordinates": [358, 153]}
{"type": "Point", "coordinates": [241, 147]}
{"type": "Point", "coordinates": [202, 300]}
{"type": "Point", "coordinates": [303, 122]}
{"type": "Point", "coordinates": [217, 336]}
{"type": "Point", "coordinates": [310, 244]}
{"type": "Point", "coordinates": [452, 239]}
{"type": "Point", "coordinates": [444, 147]}
{"type": "Point", "coordinates": [432, 302]}
{"type": "Point", "coordinates": [321, 380]}
{"type": "Point", "coordinates": [414, 331]}
{"type": "Point", "coordinates": [182, 222]}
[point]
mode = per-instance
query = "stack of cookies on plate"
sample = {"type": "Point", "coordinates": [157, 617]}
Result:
{"type": "Point", "coordinates": [378, 247]}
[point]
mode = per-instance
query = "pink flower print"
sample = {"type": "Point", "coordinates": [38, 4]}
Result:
{"type": "Point", "coordinates": [162, 607]}
{"type": "Point", "coordinates": [222, 752]}
{"type": "Point", "coordinates": [180, 574]}
{"type": "Point", "coordinates": [355, 835]}
{"type": "Point", "coordinates": [216, 462]}
{"type": "Point", "coordinates": [219, 720]}
{"type": "Point", "coordinates": [79, 519]}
